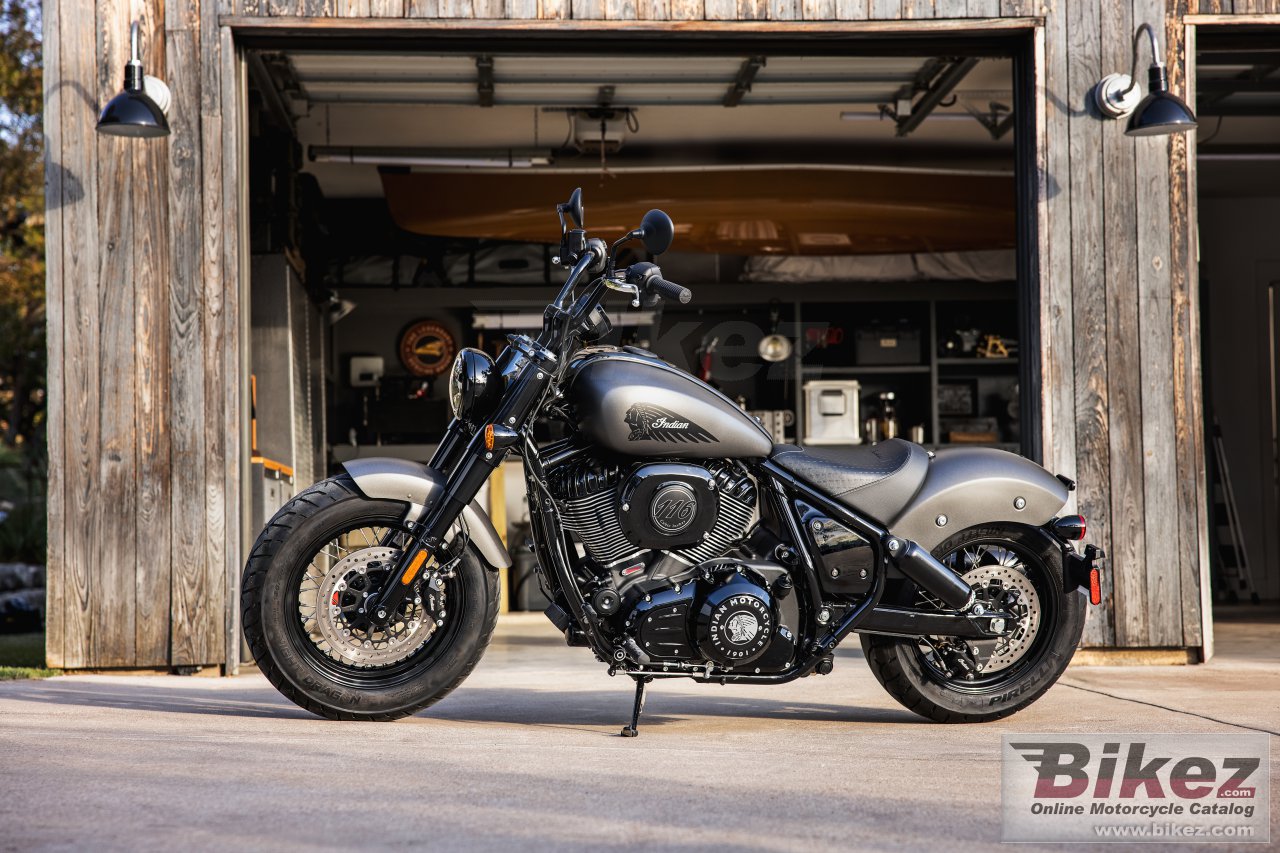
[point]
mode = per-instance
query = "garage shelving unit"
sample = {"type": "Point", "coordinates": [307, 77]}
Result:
{"type": "Point", "coordinates": [927, 375]}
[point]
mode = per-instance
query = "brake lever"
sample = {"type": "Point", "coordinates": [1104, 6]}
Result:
{"type": "Point", "coordinates": [625, 287]}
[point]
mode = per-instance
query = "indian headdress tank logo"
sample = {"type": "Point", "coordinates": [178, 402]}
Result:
{"type": "Point", "coordinates": [654, 423]}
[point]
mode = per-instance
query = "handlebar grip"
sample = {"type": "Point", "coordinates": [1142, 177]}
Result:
{"type": "Point", "coordinates": [670, 290]}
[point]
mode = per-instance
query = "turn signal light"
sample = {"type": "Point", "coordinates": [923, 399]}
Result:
{"type": "Point", "coordinates": [488, 437]}
{"type": "Point", "coordinates": [1095, 586]}
{"type": "Point", "coordinates": [1070, 527]}
{"type": "Point", "coordinates": [415, 565]}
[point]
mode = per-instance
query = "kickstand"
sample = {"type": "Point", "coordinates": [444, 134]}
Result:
{"type": "Point", "coordinates": [641, 681]}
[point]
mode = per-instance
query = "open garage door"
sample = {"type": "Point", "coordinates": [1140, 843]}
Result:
{"type": "Point", "coordinates": [849, 220]}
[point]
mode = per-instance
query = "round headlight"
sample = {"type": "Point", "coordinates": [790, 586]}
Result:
{"type": "Point", "coordinates": [473, 391]}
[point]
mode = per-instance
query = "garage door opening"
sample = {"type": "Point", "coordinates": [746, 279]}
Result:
{"type": "Point", "coordinates": [1238, 162]}
{"type": "Point", "coordinates": [850, 219]}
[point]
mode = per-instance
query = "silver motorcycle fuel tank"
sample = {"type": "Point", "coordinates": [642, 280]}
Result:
{"type": "Point", "coordinates": [633, 403]}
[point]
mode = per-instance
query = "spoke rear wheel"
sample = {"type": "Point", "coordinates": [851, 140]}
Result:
{"type": "Point", "coordinates": [947, 679]}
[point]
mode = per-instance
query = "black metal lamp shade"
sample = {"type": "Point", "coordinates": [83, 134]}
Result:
{"type": "Point", "coordinates": [1161, 111]}
{"type": "Point", "coordinates": [133, 113]}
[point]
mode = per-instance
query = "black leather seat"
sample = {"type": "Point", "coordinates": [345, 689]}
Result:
{"type": "Point", "coordinates": [876, 480]}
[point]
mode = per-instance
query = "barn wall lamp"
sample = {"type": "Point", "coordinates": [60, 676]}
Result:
{"type": "Point", "coordinates": [1160, 112]}
{"type": "Point", "coordinates": [139, 110]}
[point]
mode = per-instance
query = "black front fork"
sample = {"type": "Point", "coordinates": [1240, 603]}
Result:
{"type": "Point", "coordinates": [475, 455]}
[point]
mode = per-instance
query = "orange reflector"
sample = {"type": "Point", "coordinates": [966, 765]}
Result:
{"type": "Point", "coordinates": [1095, 586]}
{"type": "Point", "coordinates": [488, 437]}
{"type": "Point", "coordinates": [414, 567]}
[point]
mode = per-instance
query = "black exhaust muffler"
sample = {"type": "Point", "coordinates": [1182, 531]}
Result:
{"type": "Point", "coordinates": [930, 575]}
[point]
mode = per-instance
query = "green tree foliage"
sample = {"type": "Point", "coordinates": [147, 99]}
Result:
{"type": "Point", "coordinates": [22, 269]}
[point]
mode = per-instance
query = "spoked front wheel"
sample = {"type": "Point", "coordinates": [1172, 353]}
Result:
{"type": "Point", "coordinates": [1014, 568]}
{"type": "Point", "coordinates": [314, 569]}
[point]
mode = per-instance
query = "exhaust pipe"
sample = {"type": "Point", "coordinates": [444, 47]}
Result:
{"type": "Point", "coordinates": [936, 579]}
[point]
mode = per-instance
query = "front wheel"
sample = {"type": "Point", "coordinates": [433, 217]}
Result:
{"type": "Point", "coordinates": [972, 681]}
{"type": "Point", "coordinates": [303, 594]}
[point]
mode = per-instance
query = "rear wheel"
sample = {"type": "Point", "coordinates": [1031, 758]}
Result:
{"type": "Point", "coordinates": [304, 591]}
{"type": "Point", "coordinates": [950, 680]}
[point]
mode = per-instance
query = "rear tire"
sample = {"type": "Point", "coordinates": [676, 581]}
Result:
{"type": "Point", "coordinates": [321, 682]}
{"type": "Point", "coordinates": [912, 677]}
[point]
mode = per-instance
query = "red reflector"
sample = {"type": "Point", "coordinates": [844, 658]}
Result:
{"type": "Point", "coordinates": [1095, 586]}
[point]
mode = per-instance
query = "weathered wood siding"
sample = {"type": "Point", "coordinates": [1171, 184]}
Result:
{"type": "Point", "coordinates": [146, 372]}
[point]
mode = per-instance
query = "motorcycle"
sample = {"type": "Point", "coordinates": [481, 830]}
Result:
{"type": "Point", "coordinates": [672, 537]}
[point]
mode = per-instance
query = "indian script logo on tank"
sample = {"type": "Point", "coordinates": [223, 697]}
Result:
{"type": "Point", "coordinates": [1164, 788]}
{"type": "Point", "coordinates": [654, 423]}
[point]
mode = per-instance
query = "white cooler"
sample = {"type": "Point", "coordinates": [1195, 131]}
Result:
{"type": "Point", "coordinates": [831, 412]}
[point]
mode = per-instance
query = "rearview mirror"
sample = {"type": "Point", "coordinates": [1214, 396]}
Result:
{"type": "Point", "coordinates": [657, 232]}
{"type": "Point", "coordinates": [573, 207]}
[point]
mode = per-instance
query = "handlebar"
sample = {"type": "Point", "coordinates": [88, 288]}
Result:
{"type": "Point", "coordinates": [670, 290]}
{"type": "Point", "coordinates": [562, 320]}
{"type": "Point", "coordinates": [647, 276]}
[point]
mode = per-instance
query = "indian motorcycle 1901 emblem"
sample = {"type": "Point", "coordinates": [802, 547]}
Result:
{"type": "Point", "coordinates": [654, 423]}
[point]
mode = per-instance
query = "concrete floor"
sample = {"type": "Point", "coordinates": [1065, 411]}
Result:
{"type": "Point", "coordinates": [526, 755]}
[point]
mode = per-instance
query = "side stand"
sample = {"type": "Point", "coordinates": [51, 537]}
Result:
{"type": "Point", "coordinates": [630, 731]}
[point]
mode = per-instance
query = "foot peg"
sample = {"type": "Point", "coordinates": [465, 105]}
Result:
{"type": "Point", "coordinates": [630, 731]}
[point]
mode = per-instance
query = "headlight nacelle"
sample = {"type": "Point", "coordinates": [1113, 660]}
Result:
{"type": "Point", "coordinates": [474, 387]}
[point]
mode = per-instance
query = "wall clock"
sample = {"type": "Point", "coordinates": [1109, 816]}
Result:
{"type": "Point", "coordinates": [427, 348]}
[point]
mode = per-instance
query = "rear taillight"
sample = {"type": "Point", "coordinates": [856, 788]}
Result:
{"type": "Point", "coordinates": [1070, 527]}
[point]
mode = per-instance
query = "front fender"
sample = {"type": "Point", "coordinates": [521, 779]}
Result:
{"type": "Point", "coordinates": [383, 478]}
{"type": "Point", "coordinates": [978, 485]}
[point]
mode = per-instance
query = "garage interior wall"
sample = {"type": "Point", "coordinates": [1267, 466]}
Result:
{"type": "Point", "coordinates": [1239, 263]}
{"type": "Point", "coordinates": [146, 314]}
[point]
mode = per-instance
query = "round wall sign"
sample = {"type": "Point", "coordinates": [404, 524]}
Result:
{"type": "Point", "coordinates": [426, 348]}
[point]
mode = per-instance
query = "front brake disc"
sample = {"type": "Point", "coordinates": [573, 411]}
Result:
{"type": "Point", "coordinates": [346, 631]}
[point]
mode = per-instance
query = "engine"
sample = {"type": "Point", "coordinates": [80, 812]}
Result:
{"type": "Point", "coordinates": [655, 538]}
{"type": "Point", "coordinates": [692, 512]}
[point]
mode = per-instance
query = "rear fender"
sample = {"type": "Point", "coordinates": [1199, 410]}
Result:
{"type": "Point", "coordinates": [978, 485]}
{"type": "Point", "coordinates": [382, 478]}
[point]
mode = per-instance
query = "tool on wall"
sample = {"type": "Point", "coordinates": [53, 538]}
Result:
{"type": "Point", "coordinates": [705, 351]}
{"type": "Point", "coordinates": [1234, 577]}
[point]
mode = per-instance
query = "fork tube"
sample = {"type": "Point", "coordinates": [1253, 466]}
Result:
{"type": "Point", "coordinates": [450, 447]}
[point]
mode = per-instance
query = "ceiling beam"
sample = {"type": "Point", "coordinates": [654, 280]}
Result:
{"type": "Point", "coordinates": [1211, 92]}
{"type": "Point", "coordinates": [936, 94]}
{"type": "Point", "coordinates": [484, 80]}
{"type": "Point", "coordinates": [1226, 108]}
{"type": "Point", "coordinates": [271, 96]}
{"type": "Point", "coordinates": [1229, 57]}
{"type": "Point", "coordinates": [1236, 85]}
{"type": "Point", "coordinates": [657, 79]}
{"type": "Point", "coordinates": [742, 82]}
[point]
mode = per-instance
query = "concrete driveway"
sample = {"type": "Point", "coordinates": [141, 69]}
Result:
{"type": "Point", "coordinates": [526, 755]}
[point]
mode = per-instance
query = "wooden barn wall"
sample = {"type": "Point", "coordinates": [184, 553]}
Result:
{"type": "Point", "coordinates": [146, 377]}
{"type": "Point", "coordinates": [144, 368]}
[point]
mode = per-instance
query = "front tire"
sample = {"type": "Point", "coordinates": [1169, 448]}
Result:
{"type": "Point", "coordinates": [920, 672]}
{"type": "Point", "coordinates": [299, 561]}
